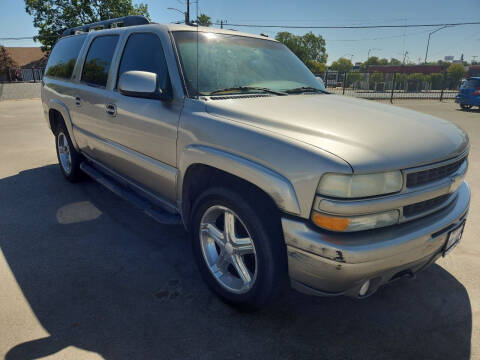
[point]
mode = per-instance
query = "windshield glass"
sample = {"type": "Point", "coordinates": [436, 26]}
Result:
{"type": "Point", "coordinates": [231, 61]}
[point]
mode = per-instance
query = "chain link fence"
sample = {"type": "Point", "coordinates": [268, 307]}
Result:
{"type": "Point", "coordinates": [368, 85]}
{"type": "Point", "coordinates": [391, 85]}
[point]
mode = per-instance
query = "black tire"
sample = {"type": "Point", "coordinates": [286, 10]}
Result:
{"type": "Point", "coordinates": [73, 173]}
{"type": "Point", "coordinates": [465, 106]}
{"type": "Point", "coordinates": [264, 228]}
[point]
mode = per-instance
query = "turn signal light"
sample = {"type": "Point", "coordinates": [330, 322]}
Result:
{"type": "Point", "coordinates": [355, 223]}
{"type": "Point", "coordinates": [330, 222]}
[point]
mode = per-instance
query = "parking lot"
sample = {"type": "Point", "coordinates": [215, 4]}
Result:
{"type": "Point", "coordinates": [85, 276]}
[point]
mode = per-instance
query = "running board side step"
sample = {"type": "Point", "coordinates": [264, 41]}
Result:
{"type": "Point", "coordinates": [155, 212]}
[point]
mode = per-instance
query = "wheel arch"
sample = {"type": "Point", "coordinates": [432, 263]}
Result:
{"type": "Point", "coordinates": [203, 166]}
{"type": "Point", "coordinates": [57, 111]}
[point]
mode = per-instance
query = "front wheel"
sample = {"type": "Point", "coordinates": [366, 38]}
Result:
{"type": "Point", "coordinates": [238, 248]}
{"type": "Point", "coordinates": [465, 106]}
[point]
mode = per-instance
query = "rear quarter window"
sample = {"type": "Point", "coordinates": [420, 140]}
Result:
{"type": "Point", "coordinates": [63, 57]}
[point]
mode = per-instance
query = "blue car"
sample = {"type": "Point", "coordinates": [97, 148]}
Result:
{"type": "Point", "coordinates": [469, 94]}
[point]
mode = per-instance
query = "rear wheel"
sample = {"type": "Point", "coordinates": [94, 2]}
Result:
{"type": "Point", "coordinates": [465, 106]}
{"type": "Point", "coordinates": [238, 248]}
{"type": "Point", "coordinates": [68, 158]}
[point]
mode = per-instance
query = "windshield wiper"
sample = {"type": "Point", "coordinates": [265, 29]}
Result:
{"type": "Point", "coordinates": [247, 88]}
{"type": "Point", "coordinates": [305, 89]}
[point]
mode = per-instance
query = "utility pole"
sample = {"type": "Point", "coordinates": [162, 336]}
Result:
{"type": "Point", "coordinates": [428, 42]}
{"type": "Point", "coordinates": [186, 13]}
{"type": "Point", "coordinates": [404, 57]}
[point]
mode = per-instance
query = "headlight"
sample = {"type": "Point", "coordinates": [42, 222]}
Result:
{"type": "Point", "coordinates": [358, 186]}
{"type": "Point", "coordinates": [355, 223]}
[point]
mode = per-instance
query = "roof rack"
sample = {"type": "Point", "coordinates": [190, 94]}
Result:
{"type": "Point", "coordinates": [131, 20]}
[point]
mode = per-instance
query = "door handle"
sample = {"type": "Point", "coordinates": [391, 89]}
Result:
{"type": "Point", "coordinates": [78, 101]}
{"type": "Point", "coordinates": [111, 109]}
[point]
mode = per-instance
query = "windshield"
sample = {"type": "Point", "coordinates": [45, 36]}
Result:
{"type": "Point", "coordinates": [235, 64]}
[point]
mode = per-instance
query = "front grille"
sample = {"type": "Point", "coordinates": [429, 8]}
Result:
{"type": "Point", "coordinates": [424, 206]}
{"type": "Point", "coordinates": [431, 175]}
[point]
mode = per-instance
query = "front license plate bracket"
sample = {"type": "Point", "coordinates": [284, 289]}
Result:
{"type": "Point", "coordinates": [453, 238]}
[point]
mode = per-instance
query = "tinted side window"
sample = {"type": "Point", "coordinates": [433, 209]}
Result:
{"type": "Point", "coordinates": [63, 57]}
{"type": "Point", "coordinates": [144, 52]}
{"type": "Point", "coordinates": [473, 83]}
{"type": "Point", "coordinates": [99, 58]}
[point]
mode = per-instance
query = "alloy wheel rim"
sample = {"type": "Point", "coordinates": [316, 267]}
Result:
{"type": "Point", "coordinates": [64, 153]}
{"type": "Point", "coordinates": [228, 249]}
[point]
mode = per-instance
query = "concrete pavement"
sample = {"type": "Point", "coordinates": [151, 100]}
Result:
{"type": "Point", "coordinates": [85, 276]}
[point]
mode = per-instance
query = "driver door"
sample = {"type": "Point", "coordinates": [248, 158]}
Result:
{"type": "Point", "coordinates": [143, 131]}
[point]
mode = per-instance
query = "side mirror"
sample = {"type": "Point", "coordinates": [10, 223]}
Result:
{"type": "Point", "coordinates": [140, 84]}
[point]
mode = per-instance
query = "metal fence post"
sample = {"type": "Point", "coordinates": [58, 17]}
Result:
{"type": "Point", "coordinates": [443, 86]}
{"type": "Point", "coordinates": [33, 75]}
{"type": "Point", "coordinates": [393, 87]}
{"type": "Point", "coordinates": [344, 81]}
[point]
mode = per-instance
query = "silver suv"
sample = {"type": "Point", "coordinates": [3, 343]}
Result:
{"type": "Point", "coordinates": [231, 135]}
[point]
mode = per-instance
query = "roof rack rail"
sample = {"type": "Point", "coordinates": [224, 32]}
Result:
{"type": "Point", "coordinates": [131, 20]}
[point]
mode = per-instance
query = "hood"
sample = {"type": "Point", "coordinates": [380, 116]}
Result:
{"type": "Point", "coordinates": [369, 135]}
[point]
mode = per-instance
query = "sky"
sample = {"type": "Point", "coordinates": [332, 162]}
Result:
{"type": "Point", "coordinates": [351, 43]}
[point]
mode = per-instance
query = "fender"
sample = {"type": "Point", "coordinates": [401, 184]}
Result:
{"type": "Point", "coordinates": [62, 109]}
{"type": "Point", "coordinates": [274, 184]}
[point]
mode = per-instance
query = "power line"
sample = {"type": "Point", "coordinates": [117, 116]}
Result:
{"type": "Point", "coordinates": [313, 27]}
{"type": "Point", "coordinates": [352, 26]}
{"type": "Point", "coordinates": [382, 37]}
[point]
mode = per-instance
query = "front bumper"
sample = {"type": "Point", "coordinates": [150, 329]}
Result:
{"type": "Point", "coordinates": [327, 263]}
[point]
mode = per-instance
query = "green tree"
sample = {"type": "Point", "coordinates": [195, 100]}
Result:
{"type": "Point", "coordinates": [455, 73]}
{"type": "Point", "coordinates": [352, 78]}
{"type": "Point", "coordinates": [6, 61]}
{"type": "Point", "coordinates": [372, 60]}
{"type": "Point", "coordinates": [416, 80]}
{"type": "Point", "coordinates": [400, 81]}
{"type": "Point", "coordinates": [416, 77]}
{"type": "Point", "coordinates": [436, 79]}
{"type": "Point", "coordinates": [376, 77]}
{"type": "Point", "coordinates": [316, 67]}
{"type": "Point", "coordinates": [204, 20]}
{"type": "Point", "coordinates": [310, 48]}
{"type": "Point", "coordinates": [342, 65]}
{"type": "Point", "coordinates": [52, 17]}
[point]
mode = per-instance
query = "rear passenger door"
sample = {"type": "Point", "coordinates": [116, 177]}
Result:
{"type": "Point", "coordinates": [144, 130]}
{"type": "Point", "coordinates": [92, 97]}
